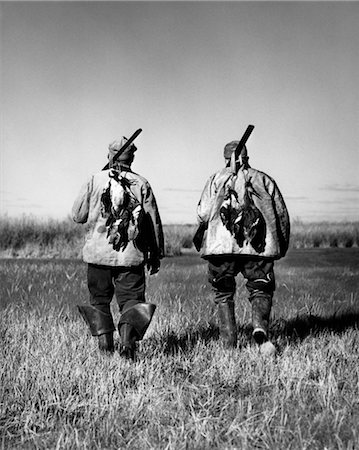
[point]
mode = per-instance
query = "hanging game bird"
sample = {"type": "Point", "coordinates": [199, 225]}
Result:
{"type": "Point", "coordinates": [230, 209]}
{"type": "Point", "coordinates": [118, 206]}
{"type": "Point", "coordinates": [244, 220]}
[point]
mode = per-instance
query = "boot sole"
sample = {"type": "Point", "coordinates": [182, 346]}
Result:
{"type": "Point", "coordinates": [260, 336]}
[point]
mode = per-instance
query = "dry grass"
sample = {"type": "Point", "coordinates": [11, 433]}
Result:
{"type": "Point", "coordinates": [186, 390]}
{"type": "Point", "coordinates": [325, 234]}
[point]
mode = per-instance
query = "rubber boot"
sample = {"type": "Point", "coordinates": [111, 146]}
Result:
{"type": "Point", "coordinates": [227, 323]}
{"type": "Point", "coordinates": [128, 337]}
{"type": "Point", "coordinates": [132, 326]}
{"type": "Point", "coordinates": [261, 307]}
{"type": "Point", "coordinates": [105, 342]}
{"type": "Point", "coordinates": [100, 322]}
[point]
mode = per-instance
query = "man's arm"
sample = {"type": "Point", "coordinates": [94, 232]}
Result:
{"type": "Point", "coordinates": [283, 221]}
{"type": "Point", "coordinates": [154, 231]}
{"type": "Point", "coordinates": [203, 213]}
{"type": "Point", "coordinates": [81, 206]}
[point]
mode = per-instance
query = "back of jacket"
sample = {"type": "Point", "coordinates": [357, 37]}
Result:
{"type": "Point", "coordinates": [88, 209]}
{"type": "Point", "coordinates": [218, 240]}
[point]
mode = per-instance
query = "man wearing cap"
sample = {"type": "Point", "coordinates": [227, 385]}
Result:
{"type": "Point", "coordinates": [124, 235]}
{"type": "Point", "coordinates": [247, 228]}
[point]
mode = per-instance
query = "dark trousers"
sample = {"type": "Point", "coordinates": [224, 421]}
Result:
{"type": "Point", "coordinates": [127, 283]}
{"type": "Point", "coordinates": [259, 274]}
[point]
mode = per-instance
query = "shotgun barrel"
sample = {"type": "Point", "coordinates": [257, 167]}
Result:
{"type": "Point", "coordinates": [123, 148]}
{"type": "Point", "coordinates": [244, 139]}
{"type": "Point", "coordinates": [241, 144]}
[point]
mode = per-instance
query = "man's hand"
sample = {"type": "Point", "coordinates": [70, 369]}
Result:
{"type": "Point", "coordinates": [153, 265]}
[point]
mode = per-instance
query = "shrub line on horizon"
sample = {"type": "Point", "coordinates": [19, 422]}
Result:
{"type": "Point", "coordinates": [31, 237]}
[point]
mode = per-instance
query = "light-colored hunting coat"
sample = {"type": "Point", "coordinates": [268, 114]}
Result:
{"type": "Point", "coordinates": [87, 209]}
{"type": "Point", "coordinates": [218, 240]}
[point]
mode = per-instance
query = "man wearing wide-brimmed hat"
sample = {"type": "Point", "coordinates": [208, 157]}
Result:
{"type": "Point", "coordinates": [124, 236]}
{"type": "Point", "coordinates": [247, 229]}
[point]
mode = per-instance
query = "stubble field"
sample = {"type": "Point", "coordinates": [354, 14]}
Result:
{"type": "Point", "coordinates": [185, 390]}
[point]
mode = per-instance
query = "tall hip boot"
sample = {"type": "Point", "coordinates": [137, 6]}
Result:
{"type": "Point", "coordinates": [227, 323]}
{"type": "Point", "coordinates": [105, 342]}
{"type": "Point", "coordinates": [100, 322]}
{"type": "Point", "coordinates": [261, 308]}
{"type": "Point", "coordinates": [132, 326]}
{"type": "Point", "coordinates": [128, 337]}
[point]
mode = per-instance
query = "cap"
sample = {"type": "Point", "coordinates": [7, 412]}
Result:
{"type": "Point", "coordinates": [230, 148]}
{"type": "Point", "coordinates": [116, 145]}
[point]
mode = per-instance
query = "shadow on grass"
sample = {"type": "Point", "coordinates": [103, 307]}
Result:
{"type": "Point", "coordinates": [300, 327]}
{"type": "Point", "coordinates": [292, 330]}
{"type": "Point", "coordinates": [171, 343]}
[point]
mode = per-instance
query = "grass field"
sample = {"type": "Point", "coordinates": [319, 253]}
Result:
{"type": "Point", "coordinates": [185, 391]}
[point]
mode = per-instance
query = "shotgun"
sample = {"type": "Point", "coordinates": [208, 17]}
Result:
{"type": "Point", "coordinates": [241, 144]}
{"type": "Point", "coordinates": [123, 148]}
{"type": "Point", "coordinates": [198, 237]}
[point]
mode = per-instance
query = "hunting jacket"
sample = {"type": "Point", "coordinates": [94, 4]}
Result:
{"type": "Point", "coordinates": [87, 209]}
{"type": "Point", "coordinates": [218, 240]}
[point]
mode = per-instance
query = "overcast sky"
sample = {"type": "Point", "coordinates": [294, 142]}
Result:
{"type": "Point", "coordinates": [192, 75]}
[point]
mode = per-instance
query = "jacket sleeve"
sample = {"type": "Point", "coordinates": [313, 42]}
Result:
{"type": "Point", "coordinates": [153, 220]}
{"type": "Point", "coordinates": [205, 203]}
{"type": "Point", "coordinates": [81, 206]}
{"type": "Point", "coordinates": [282, 219]}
